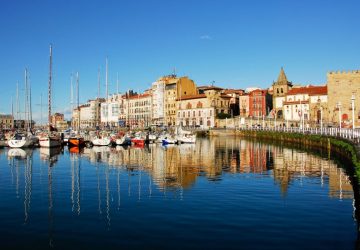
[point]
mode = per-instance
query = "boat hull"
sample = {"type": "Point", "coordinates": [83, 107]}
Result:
{"type": "Point", "coordinates": [20, 143]}
{"type": "Point", "coordinates": [49, 142]}
{"type": "Point", "coordinates": [76, 141]}
{"type": "Point", "coordinates": [101, 142]}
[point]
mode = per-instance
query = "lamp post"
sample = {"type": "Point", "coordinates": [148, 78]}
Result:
{"type": "Point", "coordinates": [275, 119]}
{"type": "Point", "coordinates": [321, 114]}
{"type": "Point", "coordinates": [339, 108]}
{"type": "Point", "coordinates": [353, 111]}
{"type": "Point", "coordinates": [321, 119]}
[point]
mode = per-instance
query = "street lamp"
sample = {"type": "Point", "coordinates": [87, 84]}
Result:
{"type": "Point", "coordinates": [353, 111]}
{"type": "Point", "coordinates": [321, 119]}
{"type": "Point", "coordinates": [339, 108]}
{"type": "Point", "coordinates": [321, 115]}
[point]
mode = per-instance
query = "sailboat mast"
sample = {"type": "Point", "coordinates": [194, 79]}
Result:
{"type": "Point", "coordinates": [26, 119]}
{"type": "Point", "coordinates": [117, 83]}
{"type": "Point", "coordinates": [107, 92]}
{"type": "Point", "coordinates": [30, 108]}
{"type": "Point", "coordinates": [49, 88]}
{"type": "Point", "coordinates": [77, 94]}
{"type": "Point", "coordinates": [98, 96]}
{"type": "Point", "coordinates": [17, 102]}
{"type": "Point", "coordinates": [71, 93]}
{"type": "Point", "coordinates": [12, 111]}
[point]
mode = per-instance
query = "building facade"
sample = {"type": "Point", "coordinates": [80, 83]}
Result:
{"type": "Point", "coordinates": [259, 103]}
{"type": "Point", "coordinates": [176, 88]}
{"type": "Point", "coordinates": [6, 121]}
{"type": "Point", "coordinates": [158, 102]}
{"type": "Point", "coordinates": [140, 110]}
{"type": "Point", "coordinates": [201, 110]}
{"type": "Point", "coordinates": [244, 105]}
{"type": "Point", "coordinates": [306, 105]}
{"type": "Point", "coordinates": [56, 119]}
{"type": "Point", "coordinates": [343, 93]}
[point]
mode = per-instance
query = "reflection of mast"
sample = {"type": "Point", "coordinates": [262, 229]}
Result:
{"type": "Point", "coordinates": [98, 188]}
{"type": "Point", "coordinates": [75, 184]}
{"type": "Point", "coordinates": [118, 186]}
{"type": "Point", "coordinates": [28, 187]}
{"type": "Point", "coordinates": [107, 197]}
{"type": "Point", "coordinates": [50, 214]}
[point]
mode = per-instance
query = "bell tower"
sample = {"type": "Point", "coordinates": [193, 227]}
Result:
{"type": "Point", "coordinates": [280, 89]}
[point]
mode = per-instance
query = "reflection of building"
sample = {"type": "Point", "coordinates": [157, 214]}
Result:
{"type": "Point", "coordinates": [180, 166]}
{"type": "Point", "coordinates": [290, 164]}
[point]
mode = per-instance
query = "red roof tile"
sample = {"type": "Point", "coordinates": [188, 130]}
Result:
{"type": "Point", "coordinates": [310, 90]}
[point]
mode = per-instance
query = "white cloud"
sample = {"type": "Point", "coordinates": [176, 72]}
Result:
{"type": "Point", "coordinates": [205, 37]}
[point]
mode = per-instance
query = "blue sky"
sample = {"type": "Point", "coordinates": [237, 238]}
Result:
{"type": "Point", "coordinates": [236, 43]}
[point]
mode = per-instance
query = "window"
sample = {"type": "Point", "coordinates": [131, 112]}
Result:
{"type": "Point", "coordinates": [188, 106]}
{"type": "Point", "coordinates": [194, 113]}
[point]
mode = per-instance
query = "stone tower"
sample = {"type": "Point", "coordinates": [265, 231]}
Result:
{"type": "Point", "coordinates": [342, 88]}
{"type": "Point", "coordinates": [280, 89]}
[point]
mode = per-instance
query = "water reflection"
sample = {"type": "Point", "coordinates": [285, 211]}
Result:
{"type": "Point", "coordinates": [180, 166]}
{"type": "Point", "coordinates": [111, 182]}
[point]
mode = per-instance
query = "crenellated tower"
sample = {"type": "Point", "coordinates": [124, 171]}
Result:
{"type": "Point", "coordinates": [343, 90]}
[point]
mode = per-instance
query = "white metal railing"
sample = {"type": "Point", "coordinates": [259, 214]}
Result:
{"type": "Point", "coordinates": [350, 134]}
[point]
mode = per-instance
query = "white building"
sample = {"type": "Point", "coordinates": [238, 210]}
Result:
{"type": "Point", "coordinates": [112, 110]}
{"type": "Point", "coordinates": [299, 102]}
{"type": "Point", "coordinates": [140, 110]}
{"type": "Point", "coordinates": [158, 102]}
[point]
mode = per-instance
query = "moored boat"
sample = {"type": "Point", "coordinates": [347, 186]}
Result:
{"type": "Point", "coordinates": [50, 141]}
{"type": "Point", "coordinates": [76, 141]}
{"type": "Point", "coordinates": [20, 140]}
{"type": "Point", "coordinates": [101, 141]}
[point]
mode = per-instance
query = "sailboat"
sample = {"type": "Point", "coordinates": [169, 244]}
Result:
{"type": "Point", "coordinates": [77, 140]}
{"type": "Point", "coordinates": [102, 139]}
{"type": "Point", "coordinates": [49, 139]}
{"type": "Point", "coordinates": [23, 140]}
{"type": "Point", "coordinates": [183, 136]}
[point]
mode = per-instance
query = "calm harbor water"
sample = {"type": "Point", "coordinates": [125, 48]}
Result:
{"type": "Point", "coordinates": [222, 193]}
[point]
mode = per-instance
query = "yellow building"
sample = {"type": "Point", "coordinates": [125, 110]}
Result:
{"type": "Point", "coordinates": [176, 88]}
{"type": "Point", "coordinates": [6, 121]}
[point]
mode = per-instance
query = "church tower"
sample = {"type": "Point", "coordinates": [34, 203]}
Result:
{"type": "Point", "coordinates": [280, 89]}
